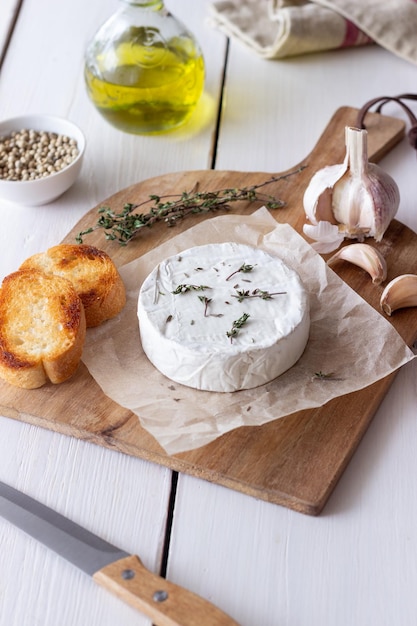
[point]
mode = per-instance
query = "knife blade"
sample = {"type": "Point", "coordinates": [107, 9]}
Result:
{"type": "Point", "coordinates": [118, 571]}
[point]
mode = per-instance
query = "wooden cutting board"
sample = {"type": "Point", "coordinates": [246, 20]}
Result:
{"type": "Point", "coordinates": [295, 461]}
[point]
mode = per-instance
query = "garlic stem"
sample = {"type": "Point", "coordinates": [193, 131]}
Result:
{"type": "Point", "coordinates": [350, 197]}
{"type": "Point", "coordinates": [356, 150]}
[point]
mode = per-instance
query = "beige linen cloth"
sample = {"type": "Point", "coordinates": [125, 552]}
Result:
{"type": "Point", "coordinates": [282, 28]}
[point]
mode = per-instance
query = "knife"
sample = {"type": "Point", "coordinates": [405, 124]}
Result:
{"type": "Point", "coordinates": [120, 572]}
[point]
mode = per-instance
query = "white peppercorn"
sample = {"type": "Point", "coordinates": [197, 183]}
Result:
{"type": "Point", "coordinates": [30, 154]}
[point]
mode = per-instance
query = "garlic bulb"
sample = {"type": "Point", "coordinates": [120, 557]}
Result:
{"type": "Point", "coordinates": [356, 195]}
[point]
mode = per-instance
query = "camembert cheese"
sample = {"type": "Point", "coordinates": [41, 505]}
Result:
{"type": "Point", "coordinates": [223, 317]}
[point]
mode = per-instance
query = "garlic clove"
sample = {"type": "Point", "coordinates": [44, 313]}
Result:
{"type": "Point", "coordinates": [317, 198]}
{"type": "Point", "coordinates": [356, 195]}
{"type": "Point", "coordinates": [386, 200]}
{"type": "Point", "coordinates": [364, 256]}
{"type": "Point", "coordinates": [400, 293]}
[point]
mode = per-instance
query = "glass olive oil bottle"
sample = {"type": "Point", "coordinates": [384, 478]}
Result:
{"type": "Point", "coordinates": [144, 71]}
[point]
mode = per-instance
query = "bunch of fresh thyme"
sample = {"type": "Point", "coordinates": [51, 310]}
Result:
{"type": "Point", "coordinates": [124, 226]}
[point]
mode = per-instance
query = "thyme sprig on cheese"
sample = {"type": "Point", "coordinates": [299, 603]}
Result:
{"type": "Point", "coordinates": [184, 288]}
{"type": "Point", "coordinates": [206, 301]}
{"type": "Point", "coordinates": [245, 268]}
{"type": "Point", "coordinates": [256, 293]}
{"type": "Point", "coordinates": [237, 325]}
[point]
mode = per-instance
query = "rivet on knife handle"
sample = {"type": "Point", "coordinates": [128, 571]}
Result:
{"type": "Point", "coordinates": [166, 603]}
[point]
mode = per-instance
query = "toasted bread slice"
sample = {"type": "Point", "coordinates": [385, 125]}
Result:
{"type": "Point", "coordinates": [42, 329]}
{"type": "Point", "coordinates": [93, 274]}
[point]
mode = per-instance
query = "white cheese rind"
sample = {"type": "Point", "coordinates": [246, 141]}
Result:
{"type": "Point", "coordinates": [189, 343]}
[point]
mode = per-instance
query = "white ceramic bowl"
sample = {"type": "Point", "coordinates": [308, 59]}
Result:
{"type": "Point", "coordinates": [42, 190]}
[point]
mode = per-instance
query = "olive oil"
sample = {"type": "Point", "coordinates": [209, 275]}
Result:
{"type": "Point", "coordinates": [144, 71]}
{"type": "Point", "coordinates": [147, 85]}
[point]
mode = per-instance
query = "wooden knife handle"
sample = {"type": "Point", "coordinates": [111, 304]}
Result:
{"type": "Point", "coordinates": [167, 604]}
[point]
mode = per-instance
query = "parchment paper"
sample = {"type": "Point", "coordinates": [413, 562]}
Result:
{"type": "Point", "coordinates": [348, 339]}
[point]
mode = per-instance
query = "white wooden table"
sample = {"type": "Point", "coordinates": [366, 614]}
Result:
{"type": "Point", "coordinates": [355, 564]}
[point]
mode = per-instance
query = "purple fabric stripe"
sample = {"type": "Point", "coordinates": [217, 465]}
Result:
{"type": "Point", "coordinates": [354, 36]}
